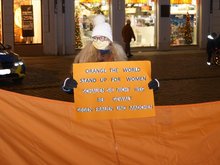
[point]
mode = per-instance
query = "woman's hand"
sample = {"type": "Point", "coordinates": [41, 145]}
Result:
{"type": "Point", "coordinates": [68, 85]}
{"type": "Point", "coordinates": [154, 84]}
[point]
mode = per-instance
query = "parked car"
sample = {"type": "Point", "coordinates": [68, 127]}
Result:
{"type": "Point", "coordinates": [12, 66]}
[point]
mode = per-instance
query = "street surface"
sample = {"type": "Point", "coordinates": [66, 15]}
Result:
{"type": "Point", "coordinates": [184, 76]}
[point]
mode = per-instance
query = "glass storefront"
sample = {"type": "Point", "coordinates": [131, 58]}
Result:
{"type": "Point", "coordinates": [142, 14]}
{"type": "Point", "coordinates": [184, 22]}
{"type": "Point", "coordinates": [27, 22]}
{"type": "Point", "coordinates": [1, 21]}
{"type": "Point", "coordinates": [84, 13]}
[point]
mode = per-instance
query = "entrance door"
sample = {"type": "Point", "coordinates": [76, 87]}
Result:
{"type": "Point", "coordinates": [142, 14]}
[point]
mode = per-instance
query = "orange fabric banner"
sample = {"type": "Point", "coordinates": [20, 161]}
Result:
{"type": "Point", "coordinates": [42, 131]}
{"type": "Point", "coordinates": [113, 90]}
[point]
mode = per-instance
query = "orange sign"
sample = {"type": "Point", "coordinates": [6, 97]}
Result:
{"type": "Point", "coordinates": [113, 90]}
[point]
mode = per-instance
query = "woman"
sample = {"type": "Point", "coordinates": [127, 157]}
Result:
{"type": "Point", "coordinates": [100, 49]}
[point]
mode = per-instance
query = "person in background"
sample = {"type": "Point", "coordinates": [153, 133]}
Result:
{"type": "Point", "coordinates": [102, 48]}
{"type": "Point", "coordinates": [127, 35]}
{"type": "Point", "coordinates": [211, 44]}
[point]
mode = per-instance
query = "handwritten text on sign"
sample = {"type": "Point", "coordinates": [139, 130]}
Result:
{"type": "Point", "coordinates": [113, 90]}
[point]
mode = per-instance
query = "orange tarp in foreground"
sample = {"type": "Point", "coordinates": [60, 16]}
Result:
{"type": "Point", "coordinates": [41, 131]}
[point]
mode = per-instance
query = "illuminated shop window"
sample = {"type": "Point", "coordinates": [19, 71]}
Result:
{"type": "Point", "coordinates": [183, 17]}
{"type": "Point", "coordinates": [0, 21]}
{"type": "Point", "coordinates": [27, 22]}
{"type": "Point", "coordinates": [142, 14]}
{"type": "Point", "coordinates": [85, 10]}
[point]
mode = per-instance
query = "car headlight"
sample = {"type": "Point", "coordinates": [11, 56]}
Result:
{"type": "Point", "coordinates": [18, 63]}
{"type": "Point", "coordinates": [5, 71]}
{"type": "Point", "coordinates": [1, 53]}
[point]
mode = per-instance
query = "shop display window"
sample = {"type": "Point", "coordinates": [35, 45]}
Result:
{"type": "Point", "coordinates": [142, 14]}
{"type": "Point", "coordinates": [85, 10]}
{"type": "Point", "coordinates": [27, 22]}
{"type": "Point", "coordinates": [183, 17]}
{"type": "Point", "coordinates": [1, 21]}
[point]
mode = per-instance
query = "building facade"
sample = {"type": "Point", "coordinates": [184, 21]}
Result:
{"type": "Point", "coordinates": [60, 27]}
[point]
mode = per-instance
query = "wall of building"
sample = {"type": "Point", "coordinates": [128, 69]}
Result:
{"type": "Point", "coordinates": [49, 14]}
{"type": "Point", "coordinates": [58, 26]}
{"type": "Point", "coordinates": [8, 23]}
{"type": "Point", "coordinates": [117, 19]}
{"type": "Point", "coordinates": [209, 20]}
{"type": "Point", "coordinates": [215, 17]}
{"type": "Point", "coordinates": [163, 27]}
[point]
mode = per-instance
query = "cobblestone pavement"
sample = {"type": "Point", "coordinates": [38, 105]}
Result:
{"type": "Point", "coordinates": [184, 76]}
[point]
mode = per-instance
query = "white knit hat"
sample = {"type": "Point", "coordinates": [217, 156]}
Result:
{"type": "Point", "coordinates": [102, 28]}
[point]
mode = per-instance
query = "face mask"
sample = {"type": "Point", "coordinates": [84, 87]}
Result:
{"type": "Point", "coordinates": [101, 45]}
